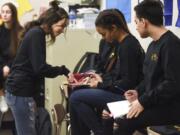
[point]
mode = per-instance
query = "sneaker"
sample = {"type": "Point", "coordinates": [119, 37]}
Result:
{"type": "Point", "coordinates": [3, 105]}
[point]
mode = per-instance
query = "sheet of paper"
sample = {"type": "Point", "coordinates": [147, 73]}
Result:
{"type": "Point", "coordinates": [119, 108]}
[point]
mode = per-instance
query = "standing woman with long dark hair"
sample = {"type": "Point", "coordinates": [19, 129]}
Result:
{"type": "Point", "coordinates": [10, 31]}
{"type": "Point", "coordinates": [30, 66]}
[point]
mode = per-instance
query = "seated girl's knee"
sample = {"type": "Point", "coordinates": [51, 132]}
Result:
{"type": "Point", "coordinates": [74, 96]}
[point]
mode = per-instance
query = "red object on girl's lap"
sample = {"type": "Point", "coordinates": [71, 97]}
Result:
{"type": "Point", "coordinates": [81, 76]}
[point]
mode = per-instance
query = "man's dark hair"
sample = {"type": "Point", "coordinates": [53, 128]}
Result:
{"type": "Point", "coordinates": [152, 10]}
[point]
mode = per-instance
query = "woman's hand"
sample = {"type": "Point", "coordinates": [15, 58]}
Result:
{"type": "Point", "coordinates": [106, 114]}
{"type": "Point", "coordinates": [6, 71]}
{"type": "Point", "coordinates": [97, 77]}
{"type": "Point", "coordinates": [93, 83]}
{"type": "Point", "coordinates": [94, 80]}
{"type": "Point", "coordinates": [71, 78]}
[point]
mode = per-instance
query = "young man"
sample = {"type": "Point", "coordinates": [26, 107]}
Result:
{"type": "Point", "coordinates": [156, 101]}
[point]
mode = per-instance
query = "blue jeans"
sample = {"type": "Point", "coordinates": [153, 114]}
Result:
{"type": "Point", "coordinates": [84, 104]}
{"type": "Point", "coordinates": [23, 110]}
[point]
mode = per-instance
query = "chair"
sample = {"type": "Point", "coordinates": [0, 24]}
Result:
{"type": "Point", "coordinates": [164, 130]}
{"type": "Point", "coordinates": [151, 132]}
{"type": "Point", "coordinates": [59, 114]}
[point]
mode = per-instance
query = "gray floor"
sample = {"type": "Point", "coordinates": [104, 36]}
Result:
{"type": "Point", "coordinates": [5, 132]}
{"type": "Point", "coordinates": [6, 117]}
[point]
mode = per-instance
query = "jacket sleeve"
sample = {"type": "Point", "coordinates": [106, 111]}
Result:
{"type": "Point", "coordinates": [10, 62]}
{"type": "Point", "coordinates": [37, 56]}
{"type": "Point", "coordinates": [140, 88]}
{"type": "Point", "coordinates": [169, 88]}
{"type": "Point", "coordinates": [129, 66]}
{"type": "Point", "coordinates": [108, 79]}
{"type": "Point", "coordinates": [1, 66]}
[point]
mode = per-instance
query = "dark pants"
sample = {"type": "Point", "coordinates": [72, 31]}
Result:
{"type": "Point", "coordinates": [83, 106]}
{"type": "Point", "coordinates": [162, 115]}
{"type": "Point", "coordinates": [108, 125]}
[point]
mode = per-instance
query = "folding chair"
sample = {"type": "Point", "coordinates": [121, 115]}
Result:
{"type": "Point", "coordinates": [59, 114]}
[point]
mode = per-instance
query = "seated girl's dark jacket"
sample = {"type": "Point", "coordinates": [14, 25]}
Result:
{"type": "Point", "coordinates": [126, 71]}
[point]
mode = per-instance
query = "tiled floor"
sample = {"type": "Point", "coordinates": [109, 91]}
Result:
{"type": "Point", "coordinates": [7, 117]}
{"type": "Point", "coordinates": [5, 132]}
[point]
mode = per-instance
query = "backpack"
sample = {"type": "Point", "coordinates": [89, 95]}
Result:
{"type": "Point", "coordinates": [87, 62]}
{"type": "Point", "coordinates": [43, 122]}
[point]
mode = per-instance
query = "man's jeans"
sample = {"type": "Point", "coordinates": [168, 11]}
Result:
{"type": "Point", "coordinates": [84, 105]}
{"type": "Point", "coordinates": [23, 109]}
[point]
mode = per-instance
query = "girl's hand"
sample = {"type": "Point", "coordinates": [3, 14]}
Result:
{"type": "Point", "coordinates": [93, 82]}
{"type": "Point", "coordinates": [106, 114]}
{"type": "Point", "coordinates": [6, 71]}
{"type": "Point", "coordinates": [97, 77]}
{"type": "Point", "coordinates": [71, 78]}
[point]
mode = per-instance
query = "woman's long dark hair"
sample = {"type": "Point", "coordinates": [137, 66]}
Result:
{"type": "Point", "coordinates": [109, 17]}
{"type": "Point", "coordinates": [15, 29]}
{"type": "Point", "coordinates": [49, 17]}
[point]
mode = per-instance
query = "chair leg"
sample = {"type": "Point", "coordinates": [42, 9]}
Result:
{"type": "Point", "coordinates": [14, 130]}
{"type": "Point", "coordinates": [58, 129]}
{"type": "Point", "coordinates": [55, 129]}
{"type": "Point", "coordinates": [1, 118]}
{"type": "Point", "coordinates": [68, 130]}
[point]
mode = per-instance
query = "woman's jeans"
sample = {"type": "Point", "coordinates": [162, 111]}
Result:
{"type": "Point", "coordinates": [84, 104]}
{"type": "Point", "coordinates": [23, 109]}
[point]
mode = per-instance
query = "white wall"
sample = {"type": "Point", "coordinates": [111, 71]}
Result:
{"type": "Point", "coordinates": [36, 4]}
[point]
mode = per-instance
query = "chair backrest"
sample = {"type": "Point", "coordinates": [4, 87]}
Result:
{"type": "Point", "coordinates": [87, 62]}
{"type": "Point", "coordinates": [58, 114]}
